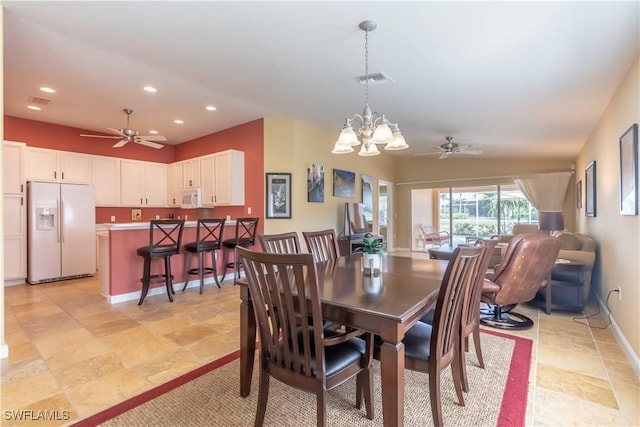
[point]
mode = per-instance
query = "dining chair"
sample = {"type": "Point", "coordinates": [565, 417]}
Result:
{"type": "Point", "coordinates": [165, 238]}
{"type": "Point", "coordinates": [208, 240]}
{"type": "Point", "coordinates": [431, 348]}
{"type": "Point", "coordinates": [285, 292]}
{"type": "Point", "coordinates": [245, 236]}
{"type": "Point", "coordinates": [284, 243]}
{"type": "Point", "coordinates": [470, 313]}
{"type": "Point", "coordinates": [322, 244]}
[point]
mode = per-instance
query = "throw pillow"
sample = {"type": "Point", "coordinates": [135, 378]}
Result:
{"type": "Point", "coordinates": [569, 241]}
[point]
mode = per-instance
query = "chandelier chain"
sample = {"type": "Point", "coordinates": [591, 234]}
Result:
{"type": "Point", "coordinates": [366, 66]}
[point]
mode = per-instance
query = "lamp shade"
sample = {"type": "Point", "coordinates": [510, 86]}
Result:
{"type": "Point", "coordinates": [551, 221]}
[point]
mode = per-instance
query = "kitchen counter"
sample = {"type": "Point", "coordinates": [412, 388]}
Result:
{"type": "Point", "coordinates": [121, 268]}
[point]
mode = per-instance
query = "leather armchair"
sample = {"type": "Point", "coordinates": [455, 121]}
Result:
{"type": "Point", "coordinates": [524, 269]}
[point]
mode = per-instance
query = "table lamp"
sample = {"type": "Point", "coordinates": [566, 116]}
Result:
{"type": "Point", "coordinates": [551, 221]}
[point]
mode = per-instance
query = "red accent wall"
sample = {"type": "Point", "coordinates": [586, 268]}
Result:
{"type": "Point", "coordinates": [248, 137]}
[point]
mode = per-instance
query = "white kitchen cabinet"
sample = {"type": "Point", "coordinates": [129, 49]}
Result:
{"type": "Point", "coordinates": [14, 212]}
{"type": "Point", "coordinates": [143, 184]}
{"type": "Point", "coordinates": [58, 166]}
{"type": "Point", "coordinates": [223, 178]}
{"type": "Point", "coordinates": [105, 178]}
{"type": "Point", "coordinates": [174, 184]}
{"type": "Point", "coordinates": [191, 173]}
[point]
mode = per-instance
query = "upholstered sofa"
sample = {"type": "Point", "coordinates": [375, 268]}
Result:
{"type": "Point", "coordinates": [575, 247]}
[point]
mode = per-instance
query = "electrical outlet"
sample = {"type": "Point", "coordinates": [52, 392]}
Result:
{"type": "Point", "coordinates": [113, 218]}
{"type": "Point", "coordinates": [249, 211]}
{"type": "Point", "coordinates": [619, 293]}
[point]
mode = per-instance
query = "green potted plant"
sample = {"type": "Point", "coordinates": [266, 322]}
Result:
{"type": "Point", "coordinates": [373, 250]}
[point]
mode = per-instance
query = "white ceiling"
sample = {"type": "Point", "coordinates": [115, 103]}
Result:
{"type": "Point", "coordinates": [512, 78]}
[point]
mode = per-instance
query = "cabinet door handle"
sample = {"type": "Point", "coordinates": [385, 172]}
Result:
{"type": "Point", "coordinates": [140, 200]}
{"type": "Point", "coordinates": [55, 175]}
{"type": "Point", "coordinates": [62, 175]}
{"type": "Point", "coordinates": [22, 188]}
{"type": "Point", "coordinates": [146, 201]}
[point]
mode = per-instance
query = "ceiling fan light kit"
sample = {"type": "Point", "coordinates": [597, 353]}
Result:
{"type": "Point", "coordinates": [374, 127]}
{"type": "Point", "coordinates": [127, 135]}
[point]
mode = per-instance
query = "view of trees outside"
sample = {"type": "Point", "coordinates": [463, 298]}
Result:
{"type": "Point", "coordinates": [479, 212]}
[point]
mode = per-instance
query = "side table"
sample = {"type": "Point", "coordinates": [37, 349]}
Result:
{"type": "Point", "coordinates": [565, 290]}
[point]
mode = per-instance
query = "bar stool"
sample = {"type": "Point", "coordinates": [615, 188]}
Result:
{"type": "Point", "coordinates": [245, 236]}
{"type": "Point", "coordinates": [208, 239]}
{"type": "Point", "coordinates": [165, 237]}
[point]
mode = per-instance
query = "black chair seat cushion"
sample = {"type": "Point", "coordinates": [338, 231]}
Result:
{"type": "Point", "coordinates": [158, 251]}
{"type": "Point", "coordinates": [204, 246]}
{"type": "Point", "coordinates": [417, 341]}
{"type": "Point", "coordinates": [337, 357]}
{"type": "Point", "coordinates": [231, 243]}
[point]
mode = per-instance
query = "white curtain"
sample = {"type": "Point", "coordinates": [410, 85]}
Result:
{"type": "Point", "coordinates": [545, 191]}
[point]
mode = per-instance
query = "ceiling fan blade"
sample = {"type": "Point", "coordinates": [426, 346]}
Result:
{"type": "Point", "coordinates": [470, 152]}
{"type": "Point", "coordinates": [444, 155]}
{"type": "Point", "coordinates": [148, 143]}
{"type": "Point", "coordinates": [117, 132]}
{"type": "Point", "coordinates": [100, 136]}
{"type": "Point", "coordinates": [152, 137]}
{"type": "Point", "coordinates": [121, 143]}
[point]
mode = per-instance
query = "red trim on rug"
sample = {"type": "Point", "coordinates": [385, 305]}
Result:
{"type": "Point", "coordinates": [512, 411]}
{"type": "Point", "coordinates": [148, 395]}
{"type": "Point", "coordinates": [514, 399]}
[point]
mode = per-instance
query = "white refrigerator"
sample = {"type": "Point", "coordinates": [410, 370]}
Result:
{"type": "Point", "coordinates": [61, 233]}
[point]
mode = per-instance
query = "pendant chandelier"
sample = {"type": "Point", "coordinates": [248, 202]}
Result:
{"type": "Point", "coordinates": [374, 128]}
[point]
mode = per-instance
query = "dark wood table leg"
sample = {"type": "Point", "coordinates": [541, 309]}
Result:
{"type": "Point", "coordinates": [392, 379]}
{"type": "Point", "coordinates": [247, 341]}
{"type": "Point", "coordinates": [547, 302]}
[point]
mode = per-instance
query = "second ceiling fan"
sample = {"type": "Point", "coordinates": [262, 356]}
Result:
{"type": "Point", "coordinates": [449, 148]}
{"type": "Point", "coordinates": [127, 135]}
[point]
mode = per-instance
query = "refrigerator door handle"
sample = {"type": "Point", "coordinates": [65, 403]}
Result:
{"type": "Point", "coordinates": [61, 220]}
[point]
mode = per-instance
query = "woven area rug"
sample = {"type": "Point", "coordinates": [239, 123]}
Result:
{"type": "Point", "coordinates": [209, 396]}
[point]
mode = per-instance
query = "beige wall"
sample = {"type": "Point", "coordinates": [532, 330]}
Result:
{"type": "Point", "coordinates": [421, 172]}
{"type": "Point", "coordinates": [618, 236]}
{"type": "Point", "coordinates": [290, 145]}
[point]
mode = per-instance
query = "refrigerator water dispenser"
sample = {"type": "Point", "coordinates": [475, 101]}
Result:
{"type": "Point", "coordinates": [46, 218]}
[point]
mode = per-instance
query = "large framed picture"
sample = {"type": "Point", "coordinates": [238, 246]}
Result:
{"type": "Point", "coordinates": [344, 183]}
{"type": "Point", "coordinates": [278, 195]}
{"type": "Point", "coordinates": [590, 189]}
{"type": "Point", "coordinates": [629, 171]}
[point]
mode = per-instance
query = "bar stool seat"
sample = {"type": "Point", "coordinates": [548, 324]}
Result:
{"type": "Point", "coordinates": [165, 237]}
{"type": "Point", "coordinates": [245, 237]}
{"type": "Point", "coordinates": [208, 240]}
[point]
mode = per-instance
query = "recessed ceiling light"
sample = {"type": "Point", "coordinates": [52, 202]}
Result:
{"type": "Point", "coordinates": [47, 89]}
{"type": "Point", "coordinates": [211, 108]}
{"type": "Point", "coordinates": [34, 107]}
{"type": "Point", "coordinates": [153, 132]}
{"type": "Point", "coordinates": [150, 89]}
{"type": "Point", "coordinates": [178, 121]}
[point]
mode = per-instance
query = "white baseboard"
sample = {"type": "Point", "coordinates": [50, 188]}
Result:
{"type": "Point", "coordinates": [622, 340]}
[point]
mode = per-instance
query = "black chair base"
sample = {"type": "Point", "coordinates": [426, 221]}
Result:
{"type": "Point", "coordinates": [497, 317]}
{"type": "Point", "coordinates": [200, 271]}
{"type": "Point", "coordinates": [147, 279]}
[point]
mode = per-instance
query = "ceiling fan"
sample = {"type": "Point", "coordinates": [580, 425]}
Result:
{"type": "Point", "coordinates": [449, 148]}
{"type": "Point", "coordinates": [128, 135]}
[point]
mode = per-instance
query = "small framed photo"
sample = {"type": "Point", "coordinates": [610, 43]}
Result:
{"type": "Point", "coordinates": [136, 214]}
{"type": "Point", "coordinates": [590, 189]}
{"type": "Point", "coordinates": [629, 171]}
{"type": "Point", "coordinates": [278, 195]}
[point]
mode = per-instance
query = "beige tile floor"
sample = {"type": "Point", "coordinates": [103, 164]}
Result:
{"type": "Point", "coordinates": [70, 350]}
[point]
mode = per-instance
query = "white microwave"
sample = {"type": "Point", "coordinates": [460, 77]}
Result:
{"type": "Point", "coordinates": [191, 198]}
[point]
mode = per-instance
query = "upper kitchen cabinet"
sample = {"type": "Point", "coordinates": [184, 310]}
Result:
{"type": "Point", "coordinates": [174, 184]}
{"type": "Point", "coordinates": [58, 166]}
{"type": "Point", "coordinates": [143, 184]}
{"type": "Point", "coordinates": [223, 178]}
{"type": "Point", "coordinates": [105, 178]}
{"type": "Point", "coordinates": [190, 173]}
{"type": "Point", "coordinates": [15, 219]}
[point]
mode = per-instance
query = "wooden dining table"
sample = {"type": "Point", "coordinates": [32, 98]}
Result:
{"type": "Point", "coordinates": [387, 305]}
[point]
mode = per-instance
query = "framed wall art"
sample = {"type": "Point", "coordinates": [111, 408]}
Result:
{"type": "Point", "coordinates": [315, 183]}
{"type": "Point", "coordinates": [629, 171]}
{"type": "Point", "coordinates": [590, 189]}
{"type": "Point", "coordinates": [278, 195]}
{"type": "Point", "coordinates": [344, 183]}
{"type": "Point", "coordinates": [367, 196]}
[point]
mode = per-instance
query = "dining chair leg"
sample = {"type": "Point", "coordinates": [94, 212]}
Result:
{"type": "Point", "coordinates": [434, 396]}
{"type": "Point", "coordinates": [263, 397]}
{"type": "Point", "coordinates": [321, 404]}
{"type": "Point", "coordinates": [476, 343]}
